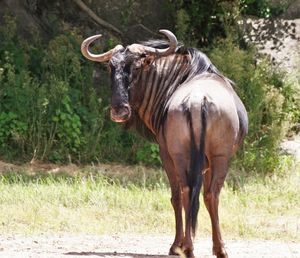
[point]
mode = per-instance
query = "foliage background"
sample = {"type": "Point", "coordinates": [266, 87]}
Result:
{"type": "Point", "coordinates": [53, 107]}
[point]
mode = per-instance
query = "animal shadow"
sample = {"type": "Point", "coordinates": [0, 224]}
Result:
{"type": "Point", "coordinates": [115, 254]}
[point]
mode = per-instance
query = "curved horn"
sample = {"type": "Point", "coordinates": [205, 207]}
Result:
{"type": "Point", "coordinates": [173, 43]}
{"type": "Point", "coordinates": [138, 48]}
{"type": "Point", "coordinates": [98, 58]}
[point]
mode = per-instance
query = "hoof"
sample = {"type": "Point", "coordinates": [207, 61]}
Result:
{"type": "Point", "coordinates": [220, 253]}
{"type": "Point", "coordinates": [189, 254]}
{"type": "Point", "coordinates": [175, 250]}
{"type": "Point", "coordinates": [178, 251]}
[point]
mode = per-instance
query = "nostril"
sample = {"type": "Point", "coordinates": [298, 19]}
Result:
{"type": "Point", "coordinates": [113, 111]}
{"type": "Point", "coordinates": [126, 107]}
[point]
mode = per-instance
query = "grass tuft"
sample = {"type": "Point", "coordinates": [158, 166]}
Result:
{"type": "Point", "coordinates": [137, 200]}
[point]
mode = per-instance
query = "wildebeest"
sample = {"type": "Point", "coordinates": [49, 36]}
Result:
{"type": "Point", "coordinates": [176, 97]}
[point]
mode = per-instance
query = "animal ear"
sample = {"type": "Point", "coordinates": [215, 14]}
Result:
{"type": "Point", "coordinates": [148, 60]}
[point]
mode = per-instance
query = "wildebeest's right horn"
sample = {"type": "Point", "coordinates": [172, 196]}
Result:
{"type": "Point", "coordinates": [172, 41]}
{"type": "Point", "coordinates": [138, 48]}
{"type": "Point", "coordinates": [98, 58]}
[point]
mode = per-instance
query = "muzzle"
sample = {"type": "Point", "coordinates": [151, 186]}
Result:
{"type": "Point", "coordinates": [120, 114]}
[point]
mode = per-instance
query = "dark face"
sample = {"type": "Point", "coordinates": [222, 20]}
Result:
{"type": "Point", "coordinates": [120, 110]}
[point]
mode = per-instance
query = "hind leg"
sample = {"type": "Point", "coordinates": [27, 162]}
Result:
{"type": "Point", "coordinates": [187, 243]}
{"type": "Point", "coordinates": [178, 144]}
{"type": "Point", "coordinates": [213, 182]}
{"type": "Point", "coordinates": [176, 200]}
{"type": "Point", "coordinates": [181, 167]}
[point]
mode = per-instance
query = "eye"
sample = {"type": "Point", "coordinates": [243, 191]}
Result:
{"type": "Point", "coordinates": [137, 64]}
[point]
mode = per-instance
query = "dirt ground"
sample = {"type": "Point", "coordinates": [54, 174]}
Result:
{"type": "Point", "coordinates": [133, 246]}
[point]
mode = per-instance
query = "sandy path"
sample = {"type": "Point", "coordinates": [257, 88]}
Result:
{"type": "Point", "coordinates": [133, 246]}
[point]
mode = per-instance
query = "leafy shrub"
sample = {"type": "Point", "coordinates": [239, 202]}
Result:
{"type": "Point", "coordinates": [68, 125]}
{"type": "Point", "coordinates": [200, 22]}
{"type": "Point", "coordinates": [11, 128]}
{"type": "Point", "coordinates": [148, 154]}
{"type": "Point", "coordinates": [49, 108]}
{"type": "Point", "coordinates": [263, 8]}
{"type": "Point", "coordinates": [268, 100]}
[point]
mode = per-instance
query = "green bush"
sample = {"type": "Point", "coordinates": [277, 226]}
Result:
{"type": "Point", "coordinates": [200, 23]}
{"type": "Point", "coordinates": [49, 109]}
{"type": "Point", "coordinates": [268, 100]}
{"type": "Point", "coordinates": [148, 154]}
{"type": "Point", "coordinates": [11, 128]}
{"type": "Point", "coordinates": [263, 8]}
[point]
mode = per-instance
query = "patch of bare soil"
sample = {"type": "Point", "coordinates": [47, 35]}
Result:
{"type": "Point", "coordinates": [37, 167]}
{"type": "Point", "coordinates": [142, 246]}
{"type": "Point", "coordinates": [71, 169]}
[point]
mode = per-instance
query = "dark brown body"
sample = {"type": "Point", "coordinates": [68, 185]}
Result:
{"type": "Point", "coordinates": [180, 100]}
{"type": "Point", "coordinates": [222, 138]}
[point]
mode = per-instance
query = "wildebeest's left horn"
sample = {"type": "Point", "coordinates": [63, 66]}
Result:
{"type": "Point", "coordinates": [98, 58]}
{"type": "Point", "coordinates": [138, 48]}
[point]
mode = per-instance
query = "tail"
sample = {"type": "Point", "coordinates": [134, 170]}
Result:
{"type": "Point", "coordinates": [196, 168]}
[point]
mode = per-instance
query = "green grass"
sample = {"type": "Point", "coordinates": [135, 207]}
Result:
{"type": "Point", "coordinates": [85, 203]}
{"type": "Point", "coordinates": [268, 209]}
{"type": "Point", "coordinates": [134, 200]}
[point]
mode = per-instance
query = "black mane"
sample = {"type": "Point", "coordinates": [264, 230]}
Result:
{"type": "Point", "coordinates": [160, 44]}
